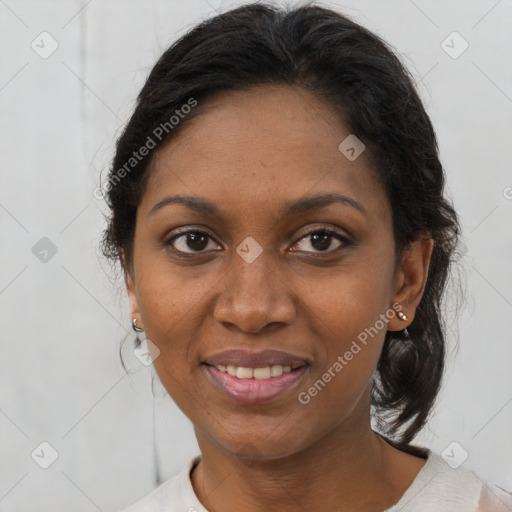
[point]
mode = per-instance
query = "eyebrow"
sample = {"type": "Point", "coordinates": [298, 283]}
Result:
{"type": "Point", "coordinates": [303, 205]}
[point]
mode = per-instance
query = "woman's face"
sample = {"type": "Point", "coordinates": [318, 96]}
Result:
{"type": "Point", "coordinates": [261, 276]}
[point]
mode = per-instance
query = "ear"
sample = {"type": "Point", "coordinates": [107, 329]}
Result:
{"type": "Point", "coordinates": [132, 295]}
{"type": "Point", "coordinates": [410, 280]}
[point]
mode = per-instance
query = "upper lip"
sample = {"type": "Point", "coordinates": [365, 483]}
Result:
{"type": "Point", "coordinates": [249, 359]}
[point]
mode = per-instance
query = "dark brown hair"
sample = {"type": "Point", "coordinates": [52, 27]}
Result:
{"type": "Point", "coordinates": [359, 75]}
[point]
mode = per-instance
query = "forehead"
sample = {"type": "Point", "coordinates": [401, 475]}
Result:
{"type": "Point", "coordinates": [263, 146]}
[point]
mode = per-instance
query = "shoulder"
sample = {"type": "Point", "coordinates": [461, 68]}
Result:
{"type": "Point", "coordinates": [495, 499]}
{"type": "Point", "coordinates": [175, 494]}
{"type": "Point", "coordinates": [440, 487]}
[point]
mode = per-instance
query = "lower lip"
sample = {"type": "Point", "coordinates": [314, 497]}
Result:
{"type": "Point", "coordinates": [254, 391]}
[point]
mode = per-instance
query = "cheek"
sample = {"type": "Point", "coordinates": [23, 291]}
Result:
{"type": "Point", "coordinates": [346, 302]}
{"type": "Point", "coordinates": [172, 302]}
{"type": "Point", "coordinates": [347, 312]}
{"type": "Point", "coordinates": [338, 386]}
{"type": "Point", "coordinates": [171, 310]}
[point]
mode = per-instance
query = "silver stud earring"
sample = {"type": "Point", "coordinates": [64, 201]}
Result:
{"type": "Point", "coordinates": [134, 326]}
{"type": "Point", "coordinates": [403, 316]}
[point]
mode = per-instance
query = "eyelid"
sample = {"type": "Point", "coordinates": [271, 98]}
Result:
{"type": "Point", "coordinates": [191, 228]}
{"type": "Point", "coordinates": [322, 227]}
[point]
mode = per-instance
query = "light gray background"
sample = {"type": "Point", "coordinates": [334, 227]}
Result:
{"type": "Point", "coordinates": [62, 321]}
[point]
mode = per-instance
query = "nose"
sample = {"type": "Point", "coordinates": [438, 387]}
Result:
{"type": "Point", "coordinates": [256, 296]}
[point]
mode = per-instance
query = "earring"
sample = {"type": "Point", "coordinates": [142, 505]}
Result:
{"type": "Point", "coordinates": [403, 316]}
{"type": "Point", "coordinates": [134, 326]}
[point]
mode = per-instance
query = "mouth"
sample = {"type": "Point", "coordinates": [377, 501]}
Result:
{"type": "Point", "coordinates": [255, 385]}
{"type": "Point", "coordinates": [240, 357]}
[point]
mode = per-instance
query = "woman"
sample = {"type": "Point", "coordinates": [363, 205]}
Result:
{"type": "Point", "coordinates": [277, 208]}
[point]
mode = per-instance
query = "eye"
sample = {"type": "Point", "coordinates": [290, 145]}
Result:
{"type": "Point", "coordinates": [196, 241]}
{"type": "Point", "coordinates": [321, 240]}
{"type": "Point", "coordinates": [189, 242]}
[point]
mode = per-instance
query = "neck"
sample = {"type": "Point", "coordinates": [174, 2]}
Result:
{"type": "Point", "coordinates": [345, 470]}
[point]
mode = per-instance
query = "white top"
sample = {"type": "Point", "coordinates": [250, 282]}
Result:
{"type": "Point", "coordinates": [436, 488]}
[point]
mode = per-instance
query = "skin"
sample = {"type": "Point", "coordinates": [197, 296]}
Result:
{"type": "Point", "coordinates": [249, 153]}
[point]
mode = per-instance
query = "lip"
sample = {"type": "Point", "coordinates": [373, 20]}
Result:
{"type": "Point", "coordinates": [254, 391]}
{"type": "Point", "coordinates": [249, 359]}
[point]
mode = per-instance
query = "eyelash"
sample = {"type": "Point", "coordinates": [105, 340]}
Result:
{"type": "Point", "coordinates": [325, 231]}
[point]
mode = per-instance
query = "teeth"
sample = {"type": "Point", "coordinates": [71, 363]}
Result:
{"type": "Point", "coordinates": [261, 373]}
{"type": "Point", "coordinates": [257, 373]}
{"type": "Point", "coordinates": [244, 373]}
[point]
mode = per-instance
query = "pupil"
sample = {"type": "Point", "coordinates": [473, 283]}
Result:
{"type": "Point", "coordinates": [325, 237]}
{"type": "Point", "coordinates": [198, 239]}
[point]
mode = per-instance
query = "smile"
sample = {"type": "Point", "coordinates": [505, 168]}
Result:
{"type": "Point", "coordinates": [254, 385]}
